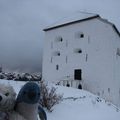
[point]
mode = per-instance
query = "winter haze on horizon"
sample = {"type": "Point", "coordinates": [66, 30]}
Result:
{"type": "Point", "coordinates": [22, 22]}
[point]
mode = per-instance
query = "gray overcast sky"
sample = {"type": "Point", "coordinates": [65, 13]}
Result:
{"type": "Point", "coordinates": [22, 21]}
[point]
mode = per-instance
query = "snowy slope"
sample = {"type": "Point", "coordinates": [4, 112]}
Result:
{"type": "Point", "coordinates": [78, 105]}
{"type": "Point", "coordinates": [86, 106]}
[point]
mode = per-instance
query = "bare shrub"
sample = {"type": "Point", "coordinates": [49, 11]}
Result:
{"type": "Point", "coordinates": [49, 97]}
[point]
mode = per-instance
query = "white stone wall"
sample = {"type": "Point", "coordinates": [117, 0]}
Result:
{"type": "Point", "coordinates": [99, 63]}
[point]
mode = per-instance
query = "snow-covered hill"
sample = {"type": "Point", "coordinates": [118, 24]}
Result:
{"type": "Point", "coordinates": [78, 105]}
{"type": "Point", "coordinates": [82, 105]}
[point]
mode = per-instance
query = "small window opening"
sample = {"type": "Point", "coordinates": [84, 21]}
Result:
{"type": "Point", "coordinates": [82, 35]}
{"type": "Point", "coordinates": [88, 39]}
{"type": "Point", "coordinates": [56, 53]}
{"type": "Point", "coordinates": [68, 85]}
{"type": "Point", "coordinates": [78, 50]}
{"type": "Point", "coordinates": [57, 67]}
{"type": "Point", "coordinates": [51, 59]}
{"type": "Point", "coordinates": [118, 51]}
{"type": "Point", "coordinates": [79, 86]}
{"type": "Point", "coordinates": [59, 39]}
{"type": "Point", "coordinates": [109, 90]}
{"type": "Point", "coordinates": [86, 58]}
{"type": "Point", "coordinates": [79, 35]}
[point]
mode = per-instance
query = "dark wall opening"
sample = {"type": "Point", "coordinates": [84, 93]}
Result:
{"type": "Point", "coordinates": [78, 74]}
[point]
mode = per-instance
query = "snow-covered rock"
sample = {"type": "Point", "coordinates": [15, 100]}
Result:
{"type": "Point", "coordinates": [20, 76]}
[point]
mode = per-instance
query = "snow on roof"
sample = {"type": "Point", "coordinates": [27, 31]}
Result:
{"type": "Point", "coordinates": [79, 16]}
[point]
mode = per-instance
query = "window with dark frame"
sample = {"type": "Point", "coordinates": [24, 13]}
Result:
{"type": "Point", "coordinates": [79, 35]}
{"type": "Point", "coordinates": [78, 74]}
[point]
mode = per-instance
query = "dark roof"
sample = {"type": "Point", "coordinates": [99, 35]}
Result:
{"type": "Point", "coordinates": [73, 22]}
{"type": "Point", "coordinates": [116, 29]}
{"type": "Point", "coordinates": [71, 19]}
{"type": "Point", "coordinates": [83, 16]}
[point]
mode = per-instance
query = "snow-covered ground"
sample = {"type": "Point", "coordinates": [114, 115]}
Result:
{"type": "Point", "coordinates": [77, 105]}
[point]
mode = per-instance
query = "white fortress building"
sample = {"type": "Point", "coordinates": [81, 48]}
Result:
{"type": "Point", "coordinates": [84, 49]}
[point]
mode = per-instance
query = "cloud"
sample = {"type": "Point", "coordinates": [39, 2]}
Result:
{"type": "Point", "coordinates": [22, 21]}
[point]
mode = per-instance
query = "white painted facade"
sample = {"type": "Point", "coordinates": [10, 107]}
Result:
{"type": "Point", "coordinates": [99, 59]}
